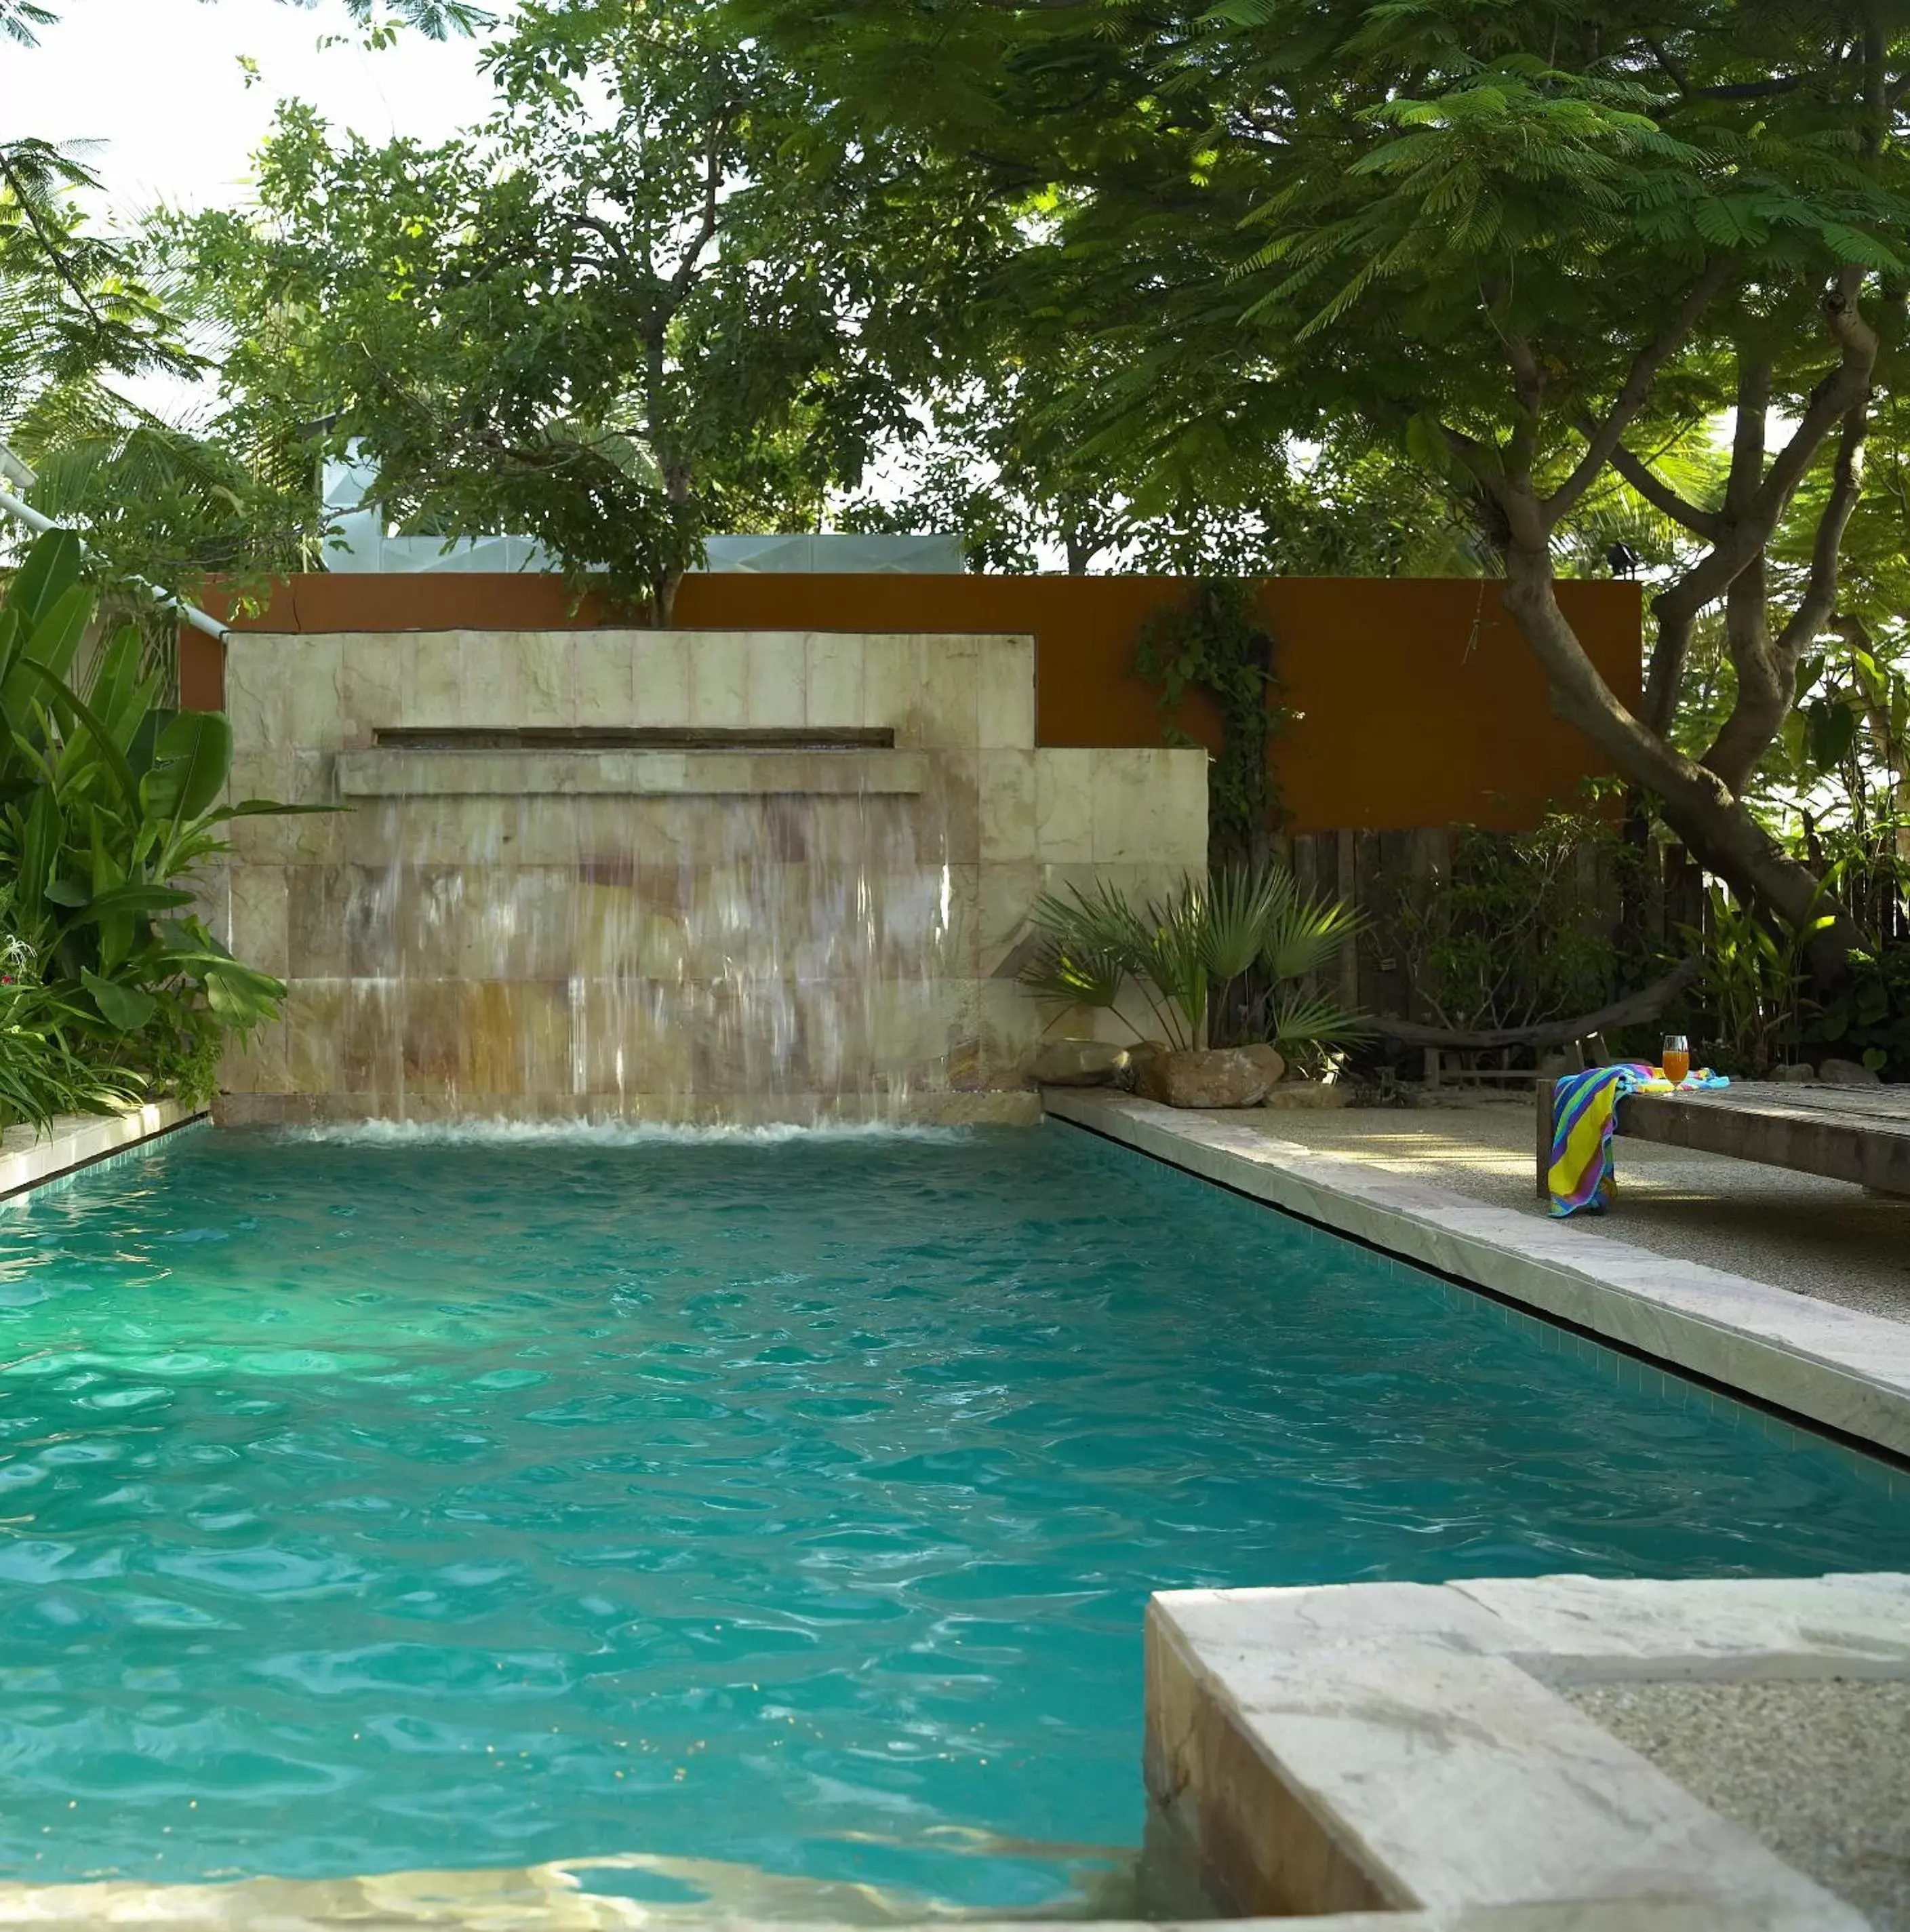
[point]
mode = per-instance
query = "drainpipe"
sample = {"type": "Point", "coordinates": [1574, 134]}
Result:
{"type": "Point", "coordinates": [39, 523]}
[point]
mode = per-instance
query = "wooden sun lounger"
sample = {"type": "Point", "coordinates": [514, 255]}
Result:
{"type": "Point", "coordinates": [1860, 1134]}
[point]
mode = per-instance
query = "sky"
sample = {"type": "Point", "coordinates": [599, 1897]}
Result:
{"type": "Point", "coordinates": [157, 89]}
{"type": "Point", "coordinates": [158, 85]}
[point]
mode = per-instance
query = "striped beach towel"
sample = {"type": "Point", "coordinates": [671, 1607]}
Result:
{"type": "Point", "coordinates": [1584, 1107]}
{"type": "Point", "coordinates": [1584, 1110]}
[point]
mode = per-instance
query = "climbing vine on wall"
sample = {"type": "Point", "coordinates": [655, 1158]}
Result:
{"type": "Point", "coordinates": [1213, 641]}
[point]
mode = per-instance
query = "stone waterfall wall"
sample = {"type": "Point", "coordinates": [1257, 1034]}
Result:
{"type": "Point", "coordinates": [741, 932]}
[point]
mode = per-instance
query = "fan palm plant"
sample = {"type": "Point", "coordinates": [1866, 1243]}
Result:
{"type": "Point", "coordinates": [1242, 940]}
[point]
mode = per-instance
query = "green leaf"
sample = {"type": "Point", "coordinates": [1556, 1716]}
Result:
{"type": "Point", "coordinates": [126, 1008]}
{"type": "Point", "coordinates": [51, 569]}
{"type": "Point", "coordinates": [195, 753]}
{"type": "Point", "coordinates": [122, 899]}
{"type": "Point", "coordinates": [116, 689]}
{"type": "Point", "coordinates": [39, 851]}
{"type": "Point", "coordinates": [242, 996]}
{"type": "Point", "coordinates": [144, 748]}
{"type": "Point", "coordinates": [65, 891]}
{"type": "Point", "coordinates": [51, 646]}
{"type": "Point", "coordinates": [110, 754]}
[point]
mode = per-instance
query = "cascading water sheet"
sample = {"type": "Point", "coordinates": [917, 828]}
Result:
{"type": "Point", "coordinates": [747, 956]}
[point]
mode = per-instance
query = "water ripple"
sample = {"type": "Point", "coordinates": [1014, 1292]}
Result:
{"type": "Point", "coordinates": [764, 1504]}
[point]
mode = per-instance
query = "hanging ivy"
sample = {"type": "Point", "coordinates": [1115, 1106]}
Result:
{"type": "Point", "coordinates": [1213, 641]}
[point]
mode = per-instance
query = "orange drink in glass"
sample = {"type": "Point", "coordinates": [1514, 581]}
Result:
{"type": "Point", "coordinates": [1678, 1058]}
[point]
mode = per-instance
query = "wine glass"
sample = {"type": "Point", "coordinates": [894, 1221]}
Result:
{"type": "Point", "coordinates": [1677, 1060]}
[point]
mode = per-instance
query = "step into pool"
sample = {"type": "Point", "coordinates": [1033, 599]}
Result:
{"type": "Point", "coordinates": [782, 1507]}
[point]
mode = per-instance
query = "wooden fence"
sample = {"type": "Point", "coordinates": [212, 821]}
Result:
{"type": "Point", "coordinates": [1376, 872]}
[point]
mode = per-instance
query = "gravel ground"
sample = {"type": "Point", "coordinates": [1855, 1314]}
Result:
{"type": "Point", "coordinates": [1819, 1771]}
{"type": "Point", "coordinates": [1818, 1237]}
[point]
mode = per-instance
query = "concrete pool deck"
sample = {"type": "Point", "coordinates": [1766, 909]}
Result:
{"type": "Point", "coordinates": [1840, 1367]}
{"type": "Point", "coordinates": [1823, 1238]}
{"type": "Point", "coordinates": [1429, 1747]}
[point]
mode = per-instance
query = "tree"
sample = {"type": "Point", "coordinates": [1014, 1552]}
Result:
{"type": "Point", "coordinates": [111, 315]}
{"type": "Point", "coordinates": [1526, 245]}
{"type": "Point", "coordinates": [77, 308]}
{"type": "Point", "coordinates": [646, 298]}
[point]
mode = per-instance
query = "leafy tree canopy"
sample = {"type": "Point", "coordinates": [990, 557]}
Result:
{"type": "Point", "coordinates": [655, 294]}
{"type": "Point", "coordinates": [1530, 247]}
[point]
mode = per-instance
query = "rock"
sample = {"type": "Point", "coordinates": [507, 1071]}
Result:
{"type": "Point", "coordinates": [1795, 1076]}
{"type": "Point", "coordinates": [1138, 1060]}
{"type": "Point", "coordinates": [1078, 1063]}
{"type": "Point", "coordinates": [1271, 1062]}
{"type": "Point", "coordinates": [1228, 1076]}
{"type": "Point", "coordinates": [1300, 1095]}
{"type": "Point", "coordinates": [1849, 1073]}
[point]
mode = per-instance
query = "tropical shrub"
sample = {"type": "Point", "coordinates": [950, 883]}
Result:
{"type": "Point", "coordinates": [1868, 1019]}
{"type": "Point", "coordinates": [1756, 985]}
{"type": "Point", "coordinates": [1509, 936]}
{"type": "Point", "coordinates": [109, 813]}
{"type": "Point", "coordinates": [1223, 959]}
{"type": "Point", "coordinates": [42, 1072]}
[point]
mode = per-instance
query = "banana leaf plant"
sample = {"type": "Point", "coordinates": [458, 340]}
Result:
{"type": "Point", "coordinates": [109, 812]}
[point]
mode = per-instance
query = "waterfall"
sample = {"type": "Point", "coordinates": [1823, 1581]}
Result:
{"type": "Point", "coordinates": [736, 956]}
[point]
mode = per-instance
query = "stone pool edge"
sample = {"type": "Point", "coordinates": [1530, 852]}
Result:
{"type": "Point", "coordinates": [30, 1159]}
{"type": "Point", "coordinates": [1362, 1746]}
{"type": "Point", "coordinates": [1829, 1365]}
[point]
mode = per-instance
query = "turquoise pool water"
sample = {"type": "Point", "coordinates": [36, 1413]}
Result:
{"type": "Point", "coordinates": [788, 1504]}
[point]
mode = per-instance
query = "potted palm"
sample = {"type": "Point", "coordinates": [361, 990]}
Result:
{"type": "Point", "coordinates": [1220, 966]}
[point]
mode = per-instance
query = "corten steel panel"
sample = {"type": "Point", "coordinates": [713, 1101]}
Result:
{"type": "Point", "coordinates": [1419, 703]}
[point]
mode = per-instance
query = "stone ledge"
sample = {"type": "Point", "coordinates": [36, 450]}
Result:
{"type": "Point", "coordinates": [1362, 1745]}
{"type": "Point", "coordinates": [29, 1157]}
{"type": "Point", "coordinates": [1828, 1364]}
{"type": "Point", "coordinates": [400, 773]}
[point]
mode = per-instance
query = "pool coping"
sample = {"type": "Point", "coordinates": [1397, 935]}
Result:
{"type": "Point", "coordinates": [31, 1158]}
{"type": "Point", "coordinates": [1359, 1748]}
{"type": "Point", "coordinates": [1844, 1371]}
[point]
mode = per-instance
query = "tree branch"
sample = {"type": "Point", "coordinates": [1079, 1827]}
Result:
{"type": "Point", "coordinates": [1655, 491]}
{"type": "Point", "coordinates": [49, 245]}
{"type": "Point", "coordinates": [1818, 603]}
{"type": "Point", "coordinates": [1832, 397]}
{"type": "Point", "coordinates": [1528, 383]}
{"type": "Point", "coordinates": [1754, 504]}
{"type": "Point", "coordinates": [1637, 390]}
{"type": "Point", "coordinates": [712, 177]}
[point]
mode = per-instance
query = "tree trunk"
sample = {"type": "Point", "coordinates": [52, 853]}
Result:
{"type": "Point", "coordinates": [1712, 821]}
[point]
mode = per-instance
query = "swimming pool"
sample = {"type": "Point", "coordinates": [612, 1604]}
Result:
{"type": "Point", "coordinates": [393, 1502]}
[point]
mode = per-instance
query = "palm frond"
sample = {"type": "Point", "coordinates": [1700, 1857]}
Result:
{"type": "Point", "coordinates": [1303, 934]}
{"type": "Point", "coordinates": [1239, 904]}
{"type": "Point", "coordinates": [1314, 1019]}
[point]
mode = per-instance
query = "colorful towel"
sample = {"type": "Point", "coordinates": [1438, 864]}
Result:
{"type": "Point", "coordinates": [1584, 1109]}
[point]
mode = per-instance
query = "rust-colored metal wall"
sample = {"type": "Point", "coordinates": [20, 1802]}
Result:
{"type": "Point", "coordinates": [1420, 704]}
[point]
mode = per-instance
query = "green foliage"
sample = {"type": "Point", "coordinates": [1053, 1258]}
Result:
{"type": "Point", "coordinates": [1755, 986]}
{"type": "Point", "coordinates": [42, 1072]}
{"type": "Point", "coordinates": [1242, 939]}
{"type": "Point", "coordinates": [1518, 930]}
{"type": "Point", "coordinates": [21, 20]}
{"type": "Point", "coordinates": [1215, 642]}
{"type": "Point", "coordinates": [72, 302]}
{"type": "Point", "coordinates": [108, 812]}
{"type": "Point", "coordinates": [1869, 1018]}
{"type": "Point", "coordinates": [652, 296]}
